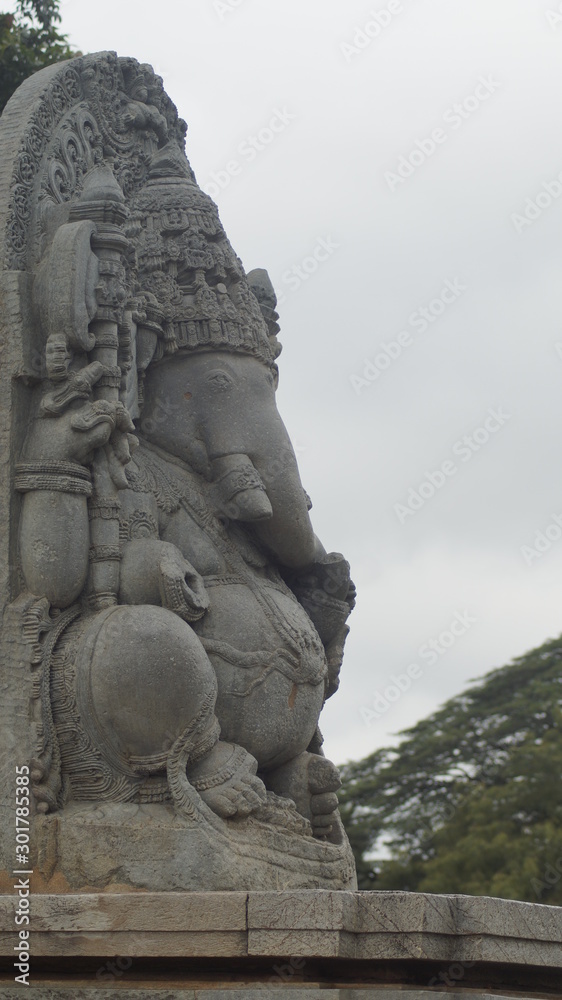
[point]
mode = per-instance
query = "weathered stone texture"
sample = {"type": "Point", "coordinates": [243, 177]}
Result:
{"type": "Point", "coordinates": [295, 993]}
{"type": "Point", "coordinates": [172, 625]}
{"type": "Point", "coordinates": [344, 925]}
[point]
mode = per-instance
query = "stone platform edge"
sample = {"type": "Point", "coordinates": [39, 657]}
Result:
{"type": "Point", "coordinates": [370, 926]}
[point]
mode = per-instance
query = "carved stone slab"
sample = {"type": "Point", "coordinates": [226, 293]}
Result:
{"type": "Point", "coordinates": [362, 925]}
{"type": "Point", "coordinates": [307, 938]}
{"type": "Point", "coordinates": [301, 993]}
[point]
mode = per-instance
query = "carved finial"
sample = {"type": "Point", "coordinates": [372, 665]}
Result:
{"type": "Point", "coordinates": [262, 287]}
{"type": "Point", "coordinates": [101, 200]}
{"type": "Point", "coordinates": [170, 161]}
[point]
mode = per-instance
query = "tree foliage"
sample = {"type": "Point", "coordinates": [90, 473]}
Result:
{"type": "Point", "coordinates": [29, 40]}
{"type": "Point", "coordinates": [471, 799]}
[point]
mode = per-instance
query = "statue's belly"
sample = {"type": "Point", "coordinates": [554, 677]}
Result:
{"type": "Point", "coordinates": [270, 667]}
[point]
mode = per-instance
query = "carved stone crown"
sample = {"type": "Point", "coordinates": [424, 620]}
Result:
{"type": "Point", "coordinates": [96, 143]}
{"type": "Point", "coordinates": [188, 269]}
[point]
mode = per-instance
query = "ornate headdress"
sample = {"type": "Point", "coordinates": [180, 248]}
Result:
{"type": "Point", "coordinates": [191, 284]}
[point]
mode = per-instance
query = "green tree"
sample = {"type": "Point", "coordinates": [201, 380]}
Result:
{"type": "Point", "coordinates": [471, 799]}
{"type": "Point", "coordinates": [29, 40]}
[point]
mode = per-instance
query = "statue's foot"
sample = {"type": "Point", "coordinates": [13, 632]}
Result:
{"type": "Point", "coordinates": [311, 782]}
{"type": "Point", "coordinates": [226, 781]}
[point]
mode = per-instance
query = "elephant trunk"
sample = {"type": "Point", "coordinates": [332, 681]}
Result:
{"type": "Point", "coordinates": [268, 492]}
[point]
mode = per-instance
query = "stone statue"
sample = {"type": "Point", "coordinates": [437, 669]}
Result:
{"type": "Point", "coordinates": [170, 614]}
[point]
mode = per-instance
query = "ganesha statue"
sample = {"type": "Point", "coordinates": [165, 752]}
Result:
{"type": "Point", "coordinates": [170, 616]}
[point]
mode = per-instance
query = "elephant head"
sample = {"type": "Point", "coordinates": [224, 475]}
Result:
{"type": "Point", "coordinates": [220, 417]}
{"type": "Point", "coordinates": [206, 357]}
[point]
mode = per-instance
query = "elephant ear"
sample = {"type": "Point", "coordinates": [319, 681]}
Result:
{"type": "Point", "coordinates": [262, 287]}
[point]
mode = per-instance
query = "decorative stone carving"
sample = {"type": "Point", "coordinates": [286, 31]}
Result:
{"type": "Point", "coordinates": [170, 614]}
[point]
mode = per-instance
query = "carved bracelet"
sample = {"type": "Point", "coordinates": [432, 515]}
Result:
{"type": "Point", "coordinates": [61, 477]}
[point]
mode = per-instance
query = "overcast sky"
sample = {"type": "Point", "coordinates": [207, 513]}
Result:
{"type": "Point", "coordinates": [383, 162]}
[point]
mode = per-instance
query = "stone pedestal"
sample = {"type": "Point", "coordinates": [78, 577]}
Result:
{"type": "Point", "coordinates": [182, 946]}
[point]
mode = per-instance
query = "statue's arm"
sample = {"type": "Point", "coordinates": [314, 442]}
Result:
{"type": "Point", "coordinates": [55, 481]}
{"type": "Point", "coordinates": [54, 541]}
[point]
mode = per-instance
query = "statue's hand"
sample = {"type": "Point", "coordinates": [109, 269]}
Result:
{"type": "Point", "coordinates": [351, 596]}
{"type": "Point", "coordinates": [328, 594]}
{"type": "Point", "coordinates": [74, 435]}
{"type": "Point", "coordinates": [109, 463]}
{"type": "Point", "coordinates": [71, 427]}
{"type": "Point", "coordinates": [329, 578]}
